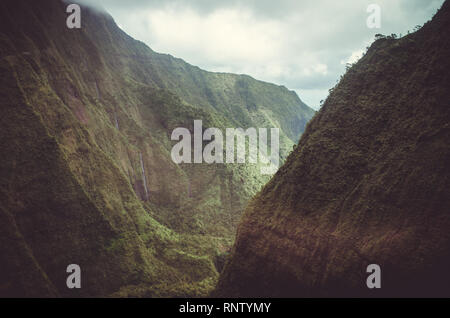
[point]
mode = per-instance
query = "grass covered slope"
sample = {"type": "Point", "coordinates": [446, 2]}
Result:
{"type": "Point", "coordinates": [86, 174]}
{"type": "Point", "coordinates": [368, 183]}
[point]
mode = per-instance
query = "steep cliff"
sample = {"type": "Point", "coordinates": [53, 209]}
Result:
{"type": "Point", "coordinates": [368, 183]}
{"type": "Point", "coordinates": [86, 175]}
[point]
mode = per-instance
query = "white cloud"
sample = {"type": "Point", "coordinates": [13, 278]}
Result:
{"type": "Point", "coordinates": [303, 45]}
{"type": "Point", "coordinates": [223, 35]}
{"type": "Point", "coordinates": [354, 57]}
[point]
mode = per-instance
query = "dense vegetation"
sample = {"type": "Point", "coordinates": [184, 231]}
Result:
{"type": "Point", "coordinates": [368, 183]}
{"type": "Point", "coordinates": [86, 176]}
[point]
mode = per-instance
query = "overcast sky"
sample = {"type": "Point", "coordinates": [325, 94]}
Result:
{"type": "Point", "coordinates": [302, 44]}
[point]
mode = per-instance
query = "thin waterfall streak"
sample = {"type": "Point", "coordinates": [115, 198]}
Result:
{"type": "Point", "coordinates": [144, 178]}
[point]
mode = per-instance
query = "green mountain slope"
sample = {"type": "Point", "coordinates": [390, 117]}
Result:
{"type": "Point", "coordinates": [368, 184]}
{"type": "Point", "coordinates": [86, 174]}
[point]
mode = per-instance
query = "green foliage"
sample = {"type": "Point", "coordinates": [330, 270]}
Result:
{"type": "Point", "coordinates": [79, 108]}
{"type": "Point", "coordinates": [368, 183]}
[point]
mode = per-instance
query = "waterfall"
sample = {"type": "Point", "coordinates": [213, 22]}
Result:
{"type": "Point", "coordinates": [116, 121]}
{"type": "Point", "coordinates": [96, 89]}
{"type": "Point", "coordinates": [144, 179]}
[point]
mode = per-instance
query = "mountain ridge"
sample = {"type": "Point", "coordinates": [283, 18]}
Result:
{"type": "Point", "coordinates": [367, 184]}
{"type": "Point", "coordinates": [86, 175]}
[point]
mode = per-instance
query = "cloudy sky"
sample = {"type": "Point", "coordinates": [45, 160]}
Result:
{"type": "Point", "coordinates": [302, 44]}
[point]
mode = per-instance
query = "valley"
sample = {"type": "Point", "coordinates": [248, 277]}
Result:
{"type": "Point", "coordinates": [130, 173]}
{"type": "Point", "coordinates": [87, 176]}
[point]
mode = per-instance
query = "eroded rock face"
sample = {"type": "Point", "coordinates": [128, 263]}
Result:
{"type": "Point", "coordinates": [368, 183]}
{"type": "Point", "coordinates": [86, 175]}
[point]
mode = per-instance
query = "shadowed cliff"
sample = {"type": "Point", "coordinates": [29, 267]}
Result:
{"type": "Point", "coordinates": [368, 183]}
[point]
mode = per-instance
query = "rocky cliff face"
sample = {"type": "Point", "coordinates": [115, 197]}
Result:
{"type": "Point", "coordinates": [368, 184]}
{"type": "Point", "coordinates": [86, 176]}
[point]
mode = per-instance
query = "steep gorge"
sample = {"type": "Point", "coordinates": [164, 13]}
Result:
{"type": "Point", "coordinates": [86, 175]}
